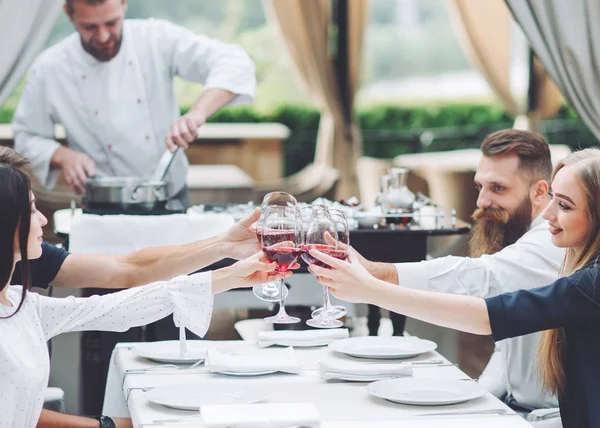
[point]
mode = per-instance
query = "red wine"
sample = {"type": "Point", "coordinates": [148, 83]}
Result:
{"type": "Point", "coordinates": [326, 249]}
{"type": "Point", "coordinates": [283, 256]}
{"type": "Point", "coordinates": [268, 237]}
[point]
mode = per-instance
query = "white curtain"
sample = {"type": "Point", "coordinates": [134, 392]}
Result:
{"type": "Point", "coordinates": [24, 28]}
{"type": "Point", "coordinates": [565, 36]}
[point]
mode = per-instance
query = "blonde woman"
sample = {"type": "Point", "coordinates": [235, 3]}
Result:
{"type": "Point", "coordinates": [568, 310]}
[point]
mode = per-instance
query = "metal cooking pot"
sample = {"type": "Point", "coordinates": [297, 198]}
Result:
{"type": "Point", "coordinates": [125, 192]}
{"type": "Point", "coordinates": [130, 192]}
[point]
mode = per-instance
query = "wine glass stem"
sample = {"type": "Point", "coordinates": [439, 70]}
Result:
{"type": "Point", "coordinates": [281, 299]}
{"type": "Point", "coordinates": [326, 301]}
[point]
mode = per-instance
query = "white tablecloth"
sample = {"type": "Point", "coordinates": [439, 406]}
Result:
{"type": "Point", "coordinates": [341, 404]}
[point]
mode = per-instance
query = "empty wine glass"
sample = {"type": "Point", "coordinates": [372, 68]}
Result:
{"type": "Point", "coordinates": [269, 292]}
{"type": "Point", "coordinates": [321, 235]}
{"type": "Point", "coordinates": [281, 238]}
{"type": "Point", "coordinates": [343, 234]}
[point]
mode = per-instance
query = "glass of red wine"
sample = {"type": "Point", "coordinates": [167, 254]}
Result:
{"type": "Point", "coordinates": [343, 234]}
{"type": "Point", "coordinates": [269, 292]}
{"type": "Point", "coordinates": [321, 234]}
{"type": "Point", "coordinates": [281, 238]}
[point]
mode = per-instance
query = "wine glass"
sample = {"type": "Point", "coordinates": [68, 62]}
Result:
{"type": "Point", "coordinates": [281, 238]}
{"type": "Point", "coordinates": [343, 234]}
{"type": "Point", "coordinates": [321, 235]}
{"type": "Point", "coordinates": [269, 292]}
{"type": "Point", "coordinates": [278, 199]}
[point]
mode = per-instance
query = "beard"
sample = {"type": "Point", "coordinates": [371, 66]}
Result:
{"type": "Point", "coordinates": [495, 228]}
{"type": "Point", "coordinates": [103, 55]}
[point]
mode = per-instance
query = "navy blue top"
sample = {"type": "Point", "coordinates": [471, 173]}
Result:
{"type": "Point", "coordinates": [43, 270]}
{"type": "Point", "coordinates": [572, 303]}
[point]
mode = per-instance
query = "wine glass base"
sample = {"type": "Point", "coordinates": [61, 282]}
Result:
{"type": "Point", "coordinates": [282, 319]}
{"type": "Point", "coordinates": [335, 312]}
{"type": "Point", "coordinates": [324, 323]}
{"type": "Point", "coordinates": [268, 293]}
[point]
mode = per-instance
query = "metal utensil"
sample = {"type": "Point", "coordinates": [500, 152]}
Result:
{"type": "Point", "coordinates": [164, 164]}
{"type": "Point", "coordinates": [501, 411]}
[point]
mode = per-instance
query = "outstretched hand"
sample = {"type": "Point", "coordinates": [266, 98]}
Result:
{"type": "Point", "coordinates": [256, 270]}
{"type": "Point", "coordinates": [240, 241]}
{"type": "Point", "coordinates": [348, 281]}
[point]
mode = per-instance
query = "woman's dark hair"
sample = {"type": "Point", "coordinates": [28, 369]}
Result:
{"type": "Point", "coordinates": [15, 214]}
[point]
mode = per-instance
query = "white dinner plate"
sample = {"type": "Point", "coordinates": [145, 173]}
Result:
{"type": "Point", "coordinates": [266, 372]}
{"type": "Point", "coordinates": [383, 347]}
{"type": "Point", "coordinates": [426, 392]}
{"type": "Point", "coordinates": [168, 351]}
{"type": "Point", "coordinates": [193, 397]}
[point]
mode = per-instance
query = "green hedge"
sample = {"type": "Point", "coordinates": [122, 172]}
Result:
{"type": "Point", "coordinates": [392, 130]}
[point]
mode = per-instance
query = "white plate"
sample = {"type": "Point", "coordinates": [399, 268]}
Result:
{"type": "Point", "coordinates": [248, 373]}
{"type": "Point", "coordinates": [383, 347]}
{"type": "Point", "coordinates": [192, 397]}
{"type": "Point", "coordinates": [426, 392]}
{"type": "Point", "coordinates": [168, 351]}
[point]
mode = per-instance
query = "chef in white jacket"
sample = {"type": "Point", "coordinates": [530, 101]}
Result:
{"type": "Point", "coordinates": [110, 85]}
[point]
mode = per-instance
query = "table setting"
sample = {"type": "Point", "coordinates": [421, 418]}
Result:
{"type": "Point", "coordinates": [336, 384]}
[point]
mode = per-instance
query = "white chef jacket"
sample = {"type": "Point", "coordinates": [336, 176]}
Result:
{"type": "Point", "coordinates": [532, 261]}
{"type": "Point", "coordinates": [118, 112]}
{"type": "Point", "coordinates": [24, 360]}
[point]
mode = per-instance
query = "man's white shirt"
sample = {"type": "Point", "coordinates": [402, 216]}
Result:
{"type": "Point", "coordinates": [532, 261]}
{"type": "Point", "coordinates": [118, 112]}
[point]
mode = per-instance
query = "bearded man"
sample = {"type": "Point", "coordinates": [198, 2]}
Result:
{"type": "Point", "coordinates": [510, 248]}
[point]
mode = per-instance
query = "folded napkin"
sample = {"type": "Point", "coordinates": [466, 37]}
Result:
{"type": "Point", "coordinates": [280, 360]}
{"type": "Point", "coordinates": [262, 415]}
{"type": "Point", "coordinates": [301, 337]}
{"type": "Point", "coordinates": [358, 371]}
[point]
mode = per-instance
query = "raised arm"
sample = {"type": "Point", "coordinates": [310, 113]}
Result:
{"type": "Point", "coordinates": [159, 263]}
{"type": "Point", "coordinates": [225, 70]}
{"type": "Point", "coordinates": [189, 298]}
{"type": "Point", "coordinates": [533, 261]}
{"type": "Point", "coordinates": [567, 301]}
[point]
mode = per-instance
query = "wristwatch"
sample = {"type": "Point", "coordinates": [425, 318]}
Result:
{"type": "Point", "coordinates": [105, 422]}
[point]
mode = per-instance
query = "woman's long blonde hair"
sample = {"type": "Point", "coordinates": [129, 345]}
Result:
{"type": "Point", "coordinates": [585, 164]}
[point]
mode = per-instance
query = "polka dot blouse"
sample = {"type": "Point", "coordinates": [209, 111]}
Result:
{"type": "Point", "coordinates": [24, 361]}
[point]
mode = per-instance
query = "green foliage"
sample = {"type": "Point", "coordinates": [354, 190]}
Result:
{"type": "Point", "coordinates": [392, 130]}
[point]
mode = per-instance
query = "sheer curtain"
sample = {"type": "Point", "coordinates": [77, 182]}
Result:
{"type": "Point", "coordinates": [24, 28]}
{"type": "Point", "coordinates": [565, 36]}
{"type": "Point", "coordinates": [305, 27]}
{"type": "Point", "coordinates": [485, 29]}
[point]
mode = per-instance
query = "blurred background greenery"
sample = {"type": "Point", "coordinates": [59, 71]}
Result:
{"type": "Point", "coordinates": [418, 91]}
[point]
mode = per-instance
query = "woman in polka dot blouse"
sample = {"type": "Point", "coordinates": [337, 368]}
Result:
{"type": "Point", "coordinates": [28, 320]}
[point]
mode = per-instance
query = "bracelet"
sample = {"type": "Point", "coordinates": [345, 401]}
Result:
{"type": "Point", "coordinates": [105, 422]}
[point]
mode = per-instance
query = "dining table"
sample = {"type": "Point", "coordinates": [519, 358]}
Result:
{"type": "Point", "coordinates": [340, 404]}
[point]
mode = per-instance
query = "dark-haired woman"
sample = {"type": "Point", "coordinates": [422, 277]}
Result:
{"type": "Point", "coordinates": [28, 320]}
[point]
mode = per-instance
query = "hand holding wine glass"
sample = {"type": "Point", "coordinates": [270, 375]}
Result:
{"type": "Point", "coordinates": [347, 281]}
{"type": "Point", "coordinates": [281, 237]}
{"type": "Point", "coordinates": [269, 292]}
